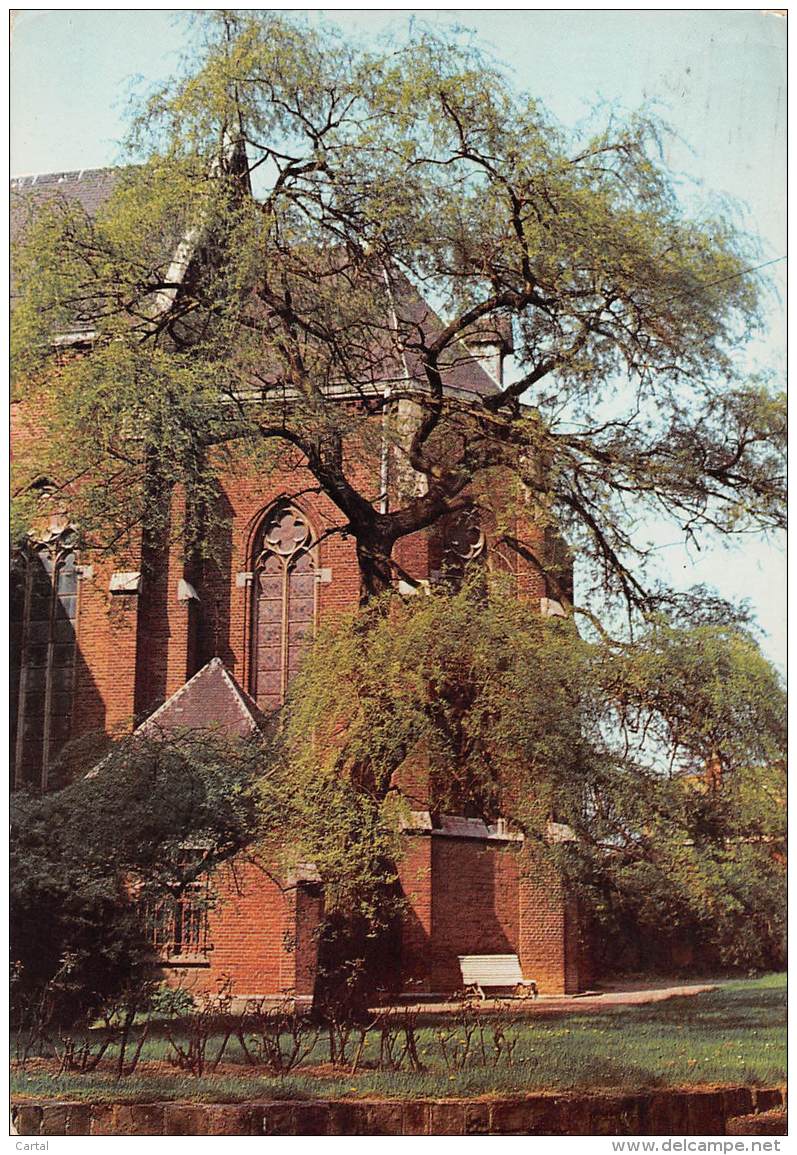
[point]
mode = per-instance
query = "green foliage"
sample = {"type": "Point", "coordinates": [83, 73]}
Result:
{"type": "Point", "coordinates": [291, 194]}
{"type": "Point", "coordinates": [705, 692]}
{"type": "Point", "coordinates": [289, 190]}
{"type": "Point", "coordinates": [79, 856]}
{"type": "Point", "coordinates": [167, 1001]}
{"type": "Point", "coordinates": [480, 685]}
{"type": "Point", "coordinates": [684, 836]}
{"type": "Point", "coordinates": [729, 1036]}
{"type": "Point", "coordinates": [665, 758]}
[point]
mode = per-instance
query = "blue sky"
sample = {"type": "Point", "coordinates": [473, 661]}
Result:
{"type": "Point", "coordinates": [717, 77]}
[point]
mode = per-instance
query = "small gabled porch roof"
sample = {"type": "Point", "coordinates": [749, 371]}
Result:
{"type": "Point", "coordinates": [212, 699]}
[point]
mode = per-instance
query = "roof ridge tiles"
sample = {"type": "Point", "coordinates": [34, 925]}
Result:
{"type": "Point", "coordinates": [34, 179]}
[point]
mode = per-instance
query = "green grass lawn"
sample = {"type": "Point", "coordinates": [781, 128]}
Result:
{"type": "Point", "coordinates": [735, 1034]}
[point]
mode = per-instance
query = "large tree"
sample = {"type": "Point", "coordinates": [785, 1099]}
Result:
{"type": "Point", "coordinates": [291, 198]}
{"type": "Point", "coordinates": [660, 762]}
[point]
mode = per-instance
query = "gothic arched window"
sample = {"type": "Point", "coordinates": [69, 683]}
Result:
{"type": "Point", "coordinates": [43, 611]}
{"type": "Point", "coordinates": [284, 602]}
{"type": "Point", "coordinates": [463, 542]}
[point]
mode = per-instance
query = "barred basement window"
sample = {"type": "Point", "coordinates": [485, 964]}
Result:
{"type": "Point", "coordinates": [44, 580]}
{"type": "Point", "coordinates": [284, 603]}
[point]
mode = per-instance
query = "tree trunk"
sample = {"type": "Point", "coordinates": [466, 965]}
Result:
{"type": "Point", "coordinates": [376, 569]}
{"type": "Point", "coordinates": [358, 961]}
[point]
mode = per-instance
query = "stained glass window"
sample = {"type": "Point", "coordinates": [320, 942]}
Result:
{"type": "Point", "coordinates": [44, 581]}
{"type": "Point", "coordinates": [284, 607]}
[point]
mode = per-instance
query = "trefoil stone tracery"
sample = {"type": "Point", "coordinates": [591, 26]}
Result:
{"type": "Point", "coordinates": [284, 602]}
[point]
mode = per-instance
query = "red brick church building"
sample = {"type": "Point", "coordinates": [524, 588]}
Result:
{"type": "Point", "coordinates": [143, 639]}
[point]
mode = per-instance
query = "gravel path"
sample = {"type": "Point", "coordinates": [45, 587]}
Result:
{"type": "Point", "coordinates": [632, 994]}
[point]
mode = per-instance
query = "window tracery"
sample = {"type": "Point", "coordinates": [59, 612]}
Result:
{"type": "Point", "coordinates": [44, 582]}
{"type": "Point", "coordinates": [284, 602]}
{"type": "Point", "coordinates": [463, 543]}
{"type": "Point", "coordinates": [177, 927]}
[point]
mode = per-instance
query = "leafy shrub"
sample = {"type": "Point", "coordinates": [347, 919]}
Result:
{"type": "Point", "coordinates": [171, 1002]}
{"type": "Point", "coordinates": [77, 854]}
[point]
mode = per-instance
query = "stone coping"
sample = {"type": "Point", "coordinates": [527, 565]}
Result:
{"type": "Point", "coordinates": [685, 1111]}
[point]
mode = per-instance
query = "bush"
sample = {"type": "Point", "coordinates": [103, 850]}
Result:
{"type": "Point", "coordinates": [76, 856]}
{"type": "Point", "coordinates": [171, 1002]}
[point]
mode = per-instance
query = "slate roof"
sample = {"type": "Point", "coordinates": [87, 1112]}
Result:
{"type": "Point", "coordinates": [461, 369]}
{"type": "Point", "coordinates": [211, 699]}
{"type": "Point", "coordinates": [92, 188]}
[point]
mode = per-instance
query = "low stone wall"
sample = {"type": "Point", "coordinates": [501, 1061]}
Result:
{"type": "Point", "coordinates": [685, 1112]}
{"type": "Point", "coordinates": [766, 1123]}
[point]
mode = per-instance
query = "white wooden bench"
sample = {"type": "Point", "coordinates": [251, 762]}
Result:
{"type": "Point", "coordinates": [482, 972]}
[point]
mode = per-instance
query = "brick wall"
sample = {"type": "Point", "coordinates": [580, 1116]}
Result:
{"type": "Point", "coordinates": [467, 896]}
{"type": "Point", "coordinates": [135, 650]}
{"type": "Point", "coordinates": [309, 911]}
{"type": "Point", "coordinates": [415, 881]}
{"type": "Point", "coordinates": [464, 896]}
{"type": "Point", "coordinates": [549, 941]}
{"type": "Point", "coordinates": [107, 636]}
{"type": "Point", "coordinates": [261, 935]}
{"type": "Point", "coordinates": [474, 904]}
{"type": "Point", "coordinates": [163, 662]}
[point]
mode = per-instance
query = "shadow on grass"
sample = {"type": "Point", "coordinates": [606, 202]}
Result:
{"type": "Point", "coordinates": [604, 1073]}
{"type": "Point", "coordinates": [735, 1034]}
{"type": "Point", "coordinates": [715, 1012]}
